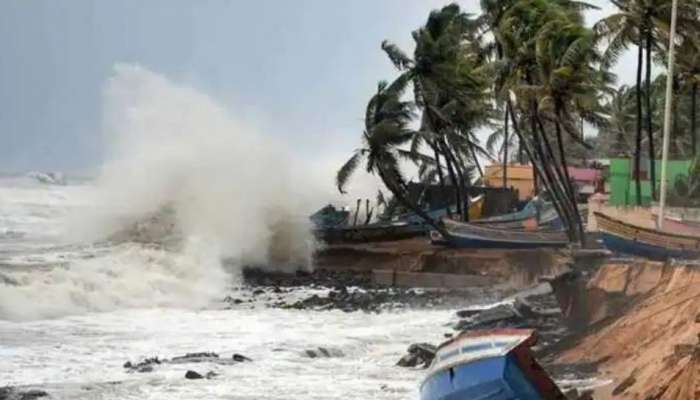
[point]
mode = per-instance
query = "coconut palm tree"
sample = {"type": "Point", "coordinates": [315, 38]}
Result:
{"type": "Point", "coordinates": [615, 139]}
{"type": "Point", "coordinates": [644, 23]}
{"type": "Point", "coordinates": [520, 28]}
{"type": "Point", "coordinates": [688, 64]}
{"type": "Point", "coordinates": [387, 120]}
{"type": "Point", "coordinates": [450, 87]}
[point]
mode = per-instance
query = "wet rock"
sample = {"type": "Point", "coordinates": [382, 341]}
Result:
{"type": "Point", "coordinates": [194, 358]}
{"type": "Point", "coordinates": [11, 393]}
{"type": "Point", "coordinates": [146, 365]}
{"type": "Point", "coordinates": [211, 374]}
{"type": "Point", "coordinates": [232, 300]}
{"type": "Point", "coordinates": [418, 354]}
{"type": "Point", "coordinates": [495, 317]}
{"type": "Point", "coordinates": [32, 394]}
{"type": "Point", "coordinates": [323, 352]}
{"type": "Point", "coordinates": [240, 358]}
{"type": "Point", "coordinates": [193, 375]}
{"type": "Point", "coordinates": [323, 278]}
{"type": "Point", "coordinates": [149, 364]}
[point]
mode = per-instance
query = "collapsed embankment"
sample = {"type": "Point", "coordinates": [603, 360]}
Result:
{"type": "Point", "coordinates": [416, 263]}
{"type": "Point", "coordinates": [639, 323]}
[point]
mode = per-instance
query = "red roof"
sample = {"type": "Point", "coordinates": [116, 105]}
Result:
{"type": "Point", "coordinates": [584, 174]}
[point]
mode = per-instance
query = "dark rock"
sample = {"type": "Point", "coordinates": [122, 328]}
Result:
{"type": "Point", "coordinates": [467, 313]}
{"type": "Point", "coordinates": [408, 360]}
{"type": "Point", "coordinates": [323, 352]}
{"type": "Point", "coordinates": [211, 374]}
{"type": "Point", "coordinates": [495, 317]}
{"type": "Point", "coordinates": [418, 353]}
{"type": "Point", "coordinates": [143, 366]}
{"type": "Point", "coordinates": [32, 394]}
{"type": "Point", "coordinates": [193, 375]}
{"type": "Point", "coordinates": [194, 358]}
{"type": "Point", "coordinates": [258, 291]}
{"type": "Point", "coordinates": [240, 358]}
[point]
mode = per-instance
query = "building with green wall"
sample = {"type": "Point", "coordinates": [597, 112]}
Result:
{"type": "Point", "coordinates": [623, 185]}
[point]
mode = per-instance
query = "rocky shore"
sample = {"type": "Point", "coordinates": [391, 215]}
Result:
{"type": "Point", "coordinates": [475, 308]}
{"type": "Point", "coordinates": [324, 290]}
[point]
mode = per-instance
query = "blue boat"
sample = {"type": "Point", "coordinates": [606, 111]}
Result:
{"type": "Point", "coordinates": [626, 238]}
{"type": "Point", "coordinates": [471, 236]}
{"type": "Point", "coordinates": [529, 211]}
{"type": "Point", "coordinates": [492, 364]}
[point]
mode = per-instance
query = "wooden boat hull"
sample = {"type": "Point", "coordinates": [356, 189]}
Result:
{"type": "Point", "coordinates": [370, 233]}
{"type": "Point", "coordinates": [469, 236]}
{"type": "Point", "coordinates": [631, 239]}
{"type": "Point", "coordinates": [622, 245]}
{"type": "Point", "coordinates": [488, 365]}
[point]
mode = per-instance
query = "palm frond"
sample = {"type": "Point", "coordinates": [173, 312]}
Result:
{"type": "Point", "coordinates": [347, 170]}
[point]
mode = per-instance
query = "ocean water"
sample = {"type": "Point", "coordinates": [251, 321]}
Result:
{"type": "Point", "coordinates": [72, 312]}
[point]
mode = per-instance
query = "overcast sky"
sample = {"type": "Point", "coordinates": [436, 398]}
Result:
{"type": "Point", "coordinates": [302, 69]}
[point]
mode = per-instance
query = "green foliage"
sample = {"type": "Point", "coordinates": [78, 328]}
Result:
{"type": "Point", "coordinates": [686, 189]}
{"type": "Point", "coordinates": [536, 64]}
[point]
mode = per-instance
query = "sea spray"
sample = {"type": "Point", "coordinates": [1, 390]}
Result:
{"type": "Point", "coordinates": [130, 275]}
{"type": "Point", "coordinates": [231, 193]}
{"type": "Point", "coordinates": [170, 145]}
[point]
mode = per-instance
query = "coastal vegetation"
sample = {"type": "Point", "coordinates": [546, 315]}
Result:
{"type": "Point", "coordinates": [533, 74]}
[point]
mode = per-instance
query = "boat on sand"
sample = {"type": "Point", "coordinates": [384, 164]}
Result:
{"type": "Point", "coordinates": [627, 238]}
{"type": "Point", "coordinates": [473, 236]}
{"type": "Point", "coordinates": [495, 364]}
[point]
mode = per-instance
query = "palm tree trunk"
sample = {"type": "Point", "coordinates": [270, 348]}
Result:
{"type": "Point", "coordinates": [549, 180]}
{"type": "Point", "coordinates": [536, 165]}
{"type": "Point", "coordinates": [453, 177]}
{"type": "Point", "coordinates": [441, 177]}
{"type": "Point", "coordinates": [693, 134]}
{"type": "Point", "coordinates": [357, 212]}
{"type": "Point", "coordinates": [638, 143]}
{"type": "Point", "coordinates": [650, 134]}
{"type": "Point", "coordinates": [559, 184]}
{"type": "Point", "coordinates": [368, 212]}
{"type": "Point", "coordinates": [505, 150]}
{"type": "Point", "coordinates": [476, 161]}
{"type": "Point", "coordinates": [569, 183]}
{"type": "Point", "coordinates": [459, 169]}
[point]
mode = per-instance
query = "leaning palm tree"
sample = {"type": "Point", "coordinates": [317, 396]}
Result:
{"type": "Point", "coordinates": [449, 86]}
{"type": "Point", "coordinates": [387, 120]}
{"type": "Point", "coordinates": [519, 30]}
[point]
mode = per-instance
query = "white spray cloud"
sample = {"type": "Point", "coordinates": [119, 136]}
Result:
{"type": "Point", "coordinates": [236, 193]}
{"type": "Point", "coordinates": [170, 144]}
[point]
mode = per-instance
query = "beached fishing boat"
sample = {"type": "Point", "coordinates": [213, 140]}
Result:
{"type": "Point", "coordinates": [378, 232]}
{"type": "Point", "coordinates": [476, 207]}
{"type": "Point", "coordinates": [529, 211]}
{"type": "Point", "coordinates": [471, 236]}
{"type": "Point", "coordinates": [492, 364]}
{"type": "Point", "coordinates": [624, 237]}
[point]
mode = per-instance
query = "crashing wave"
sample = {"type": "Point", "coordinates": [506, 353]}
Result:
{"type": "Point", "coordinates": [49, 178]}
{"type": "Point", "coordinates": [159, 228]}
